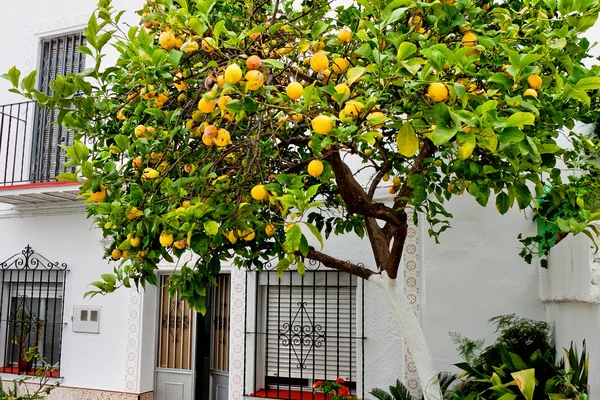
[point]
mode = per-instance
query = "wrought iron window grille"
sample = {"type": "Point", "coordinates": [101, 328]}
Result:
{"type": "Point", "coordinates": [301, 329]}
{"type": "Point", "coordinates": [31, 310]}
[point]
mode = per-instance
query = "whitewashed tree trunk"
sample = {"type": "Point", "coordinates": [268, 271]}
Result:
{"type": "Point", "coordinates": [412, 332]}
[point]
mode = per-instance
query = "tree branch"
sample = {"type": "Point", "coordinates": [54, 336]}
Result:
{"type": "Point", "coordinates": [344, 266]}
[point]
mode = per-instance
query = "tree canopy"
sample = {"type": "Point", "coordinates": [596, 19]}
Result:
{"type": "Point", "coordinates": [246, 130]}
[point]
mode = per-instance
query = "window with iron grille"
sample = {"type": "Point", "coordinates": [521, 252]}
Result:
{"type": "Point", "coordinates": [31, 310]}
{"type": "Point", "coordinates": [58, 56]}
{"type": "Point", "coordinates": [303, 329]}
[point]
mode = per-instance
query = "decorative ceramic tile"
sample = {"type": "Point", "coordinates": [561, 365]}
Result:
{"type": "Point", "coordinates": [236, 341]}
{"type": "Point", "coordinates": [412, 287]}
{"type": "Point", "coordinates": [133, 341]}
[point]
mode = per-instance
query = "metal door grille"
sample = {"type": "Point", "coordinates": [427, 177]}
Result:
{"type": "Point", "coordinates": [220, 313]}
{"type": "Point", "coordinates": [31, 310]}
{"type": "Point", "coordinates": [303, 329]}
{"type": "Point", "coordinates": [176, 334]}
{"type": "Point", "coordinates": [58, 56]}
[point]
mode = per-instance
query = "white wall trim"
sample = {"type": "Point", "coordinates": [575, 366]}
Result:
{"type": "Point", "coordinates": [49, 28]}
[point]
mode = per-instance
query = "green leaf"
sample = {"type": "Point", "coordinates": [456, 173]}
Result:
{"type": "Point", "coordinates": [274, 63]}
{"type": "Point", "coordinates": [519, 119]}
{"type": "Point", "coordinates": [282, 266]}
{"type": "Point", "coordinates": [586, 84]}
{"type": "Point", "coordinates": [292, 238]}
{"type": "Point", "coordinates": [13, 76]}
{"type": "Point", "coordinates": [318, 28]}
{"type": "Point", "coordinates": [413, 65]}
{"type": "Point", "coordinates": [525, 382]}
{"type": "Point", "coordinates": [28, 82]}
{"type": "Point", "coordinates": [316, 233]}
{"type": "Point", "coordinates": [502, 203]}
{"type": "Point", "coordinates": [353, 74]}
{"type": "Point", "coordinates": [407, 140]}
{"type": "Point", "coordinates": [67, 177]}
{"type": "Point", "coordinates": [301, 268]}
{"type": "Point", "coordinates": [523, 195]}
{"type": "Point", "coordinates": [466, 144]}
{"type": "Point", "coordinates": [122, 142]}
{"type": "Point", "coordinates": [443, 134]}
{"type": "Point", "coordinates": [211, 228]}
{"type": "Point", "coordinates": [406, 49]}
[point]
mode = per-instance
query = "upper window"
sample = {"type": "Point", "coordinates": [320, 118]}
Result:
{"type": "Point", "coordinates": [58, 56]}
{"type": "Point", "coordinates": [31, 311]}
{"type": "Point", "coordinates": [306, 331]}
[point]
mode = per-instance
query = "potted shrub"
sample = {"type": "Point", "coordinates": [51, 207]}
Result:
{"type": "Point", "coordinates": [26, 333]}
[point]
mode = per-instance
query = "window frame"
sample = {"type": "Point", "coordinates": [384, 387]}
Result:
{"type": "Point", "coordinates": [255, 347]}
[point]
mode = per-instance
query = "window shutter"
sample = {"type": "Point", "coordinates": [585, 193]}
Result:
{"type": "Point", "coordinates": [59, 56]}
{"type": "Point", "coordinates": [311, 332]}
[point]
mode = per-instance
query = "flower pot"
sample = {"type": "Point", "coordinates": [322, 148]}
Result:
{"type": "Point", "coordinates": [24, 366]}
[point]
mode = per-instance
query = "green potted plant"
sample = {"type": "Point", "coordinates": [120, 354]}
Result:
{"type": "Point", "coordinates": [26, 333]}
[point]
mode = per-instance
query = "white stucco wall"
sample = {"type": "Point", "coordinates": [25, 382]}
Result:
{"type": "Point", "coordinates": [88, 360]}
{"type": "Point", "coordinates": [475, 274]}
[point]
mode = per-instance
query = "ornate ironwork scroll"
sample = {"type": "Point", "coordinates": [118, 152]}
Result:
{"type": "Point", "coordinates": [300, 336]}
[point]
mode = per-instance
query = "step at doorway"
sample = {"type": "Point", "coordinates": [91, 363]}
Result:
{"type": "Point", "coordinates": [193, 350]}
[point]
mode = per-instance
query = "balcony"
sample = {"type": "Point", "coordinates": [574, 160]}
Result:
{"type": "Point", "coordinates": [31, 156]}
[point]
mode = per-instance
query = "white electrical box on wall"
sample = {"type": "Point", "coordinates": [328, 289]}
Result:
{"type": "Point", "coordinates": [86, 319]}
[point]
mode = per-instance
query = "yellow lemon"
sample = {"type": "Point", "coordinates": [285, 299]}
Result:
{"type": "Point", "coordinates": [469, 40]}
{"type": "Point", "coordinates": [208, 44]}
{"type": "Point", "coordinates": [530, 92]}
{"type": "Point", "coordinates": [135, 241]}
{"type": "Point", "coordinates": [315, 168]}
{"type": "Point", "coordinates": [319, 61]}
{"type": "Point", "coordinates": [353, 108]}
{"type": "Point", "coordinates": [294, 90]}
{"type": "Point", "coordinates": [345, 36]}
{"type": "Point", "coordinates": [99, 196]}
{"type": "Point", "coordinates": [233, 74]}
{"type": "Point", "coordinates": [231, 236]}
{"type": "Point", "coordinates": [116, 254]}
{"type": "Point", "coordinates": [437, 92]}
{"type": "Point", "coordinates": [166, 239]}
{"type": "Point", "coordinates": [189, 47]}
{"type": "Point", "coordinates": [270, 229]}
{"type": "Point", "coordinates": [139, 131]}
{"type": "Point", "coordinates": [222, 103]}
{"type": "Point", "coordinates": [223, 138]}
{"type": "Point", "coordinates": [255, 80]}
{"type": "Point", "coordinates": [150, 173]}
{"type": "Point", "coordinates": [342, 88]}
{"type": "Point", "coordinates": [534, 81]}
{"type": "Point", "coordinates": [322, 124]}
{"type": "Point", "coordinates": [259, 193]}
{"type": "Point", "coordinates": [340, 65]}
{"type": "Point", "coordinates": [206, 105]}
{"type": "Point", "coordinates": [136, 162]}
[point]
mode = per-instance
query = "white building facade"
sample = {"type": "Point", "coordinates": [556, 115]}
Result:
{"type": "Point", "coordinates": [261, 334]}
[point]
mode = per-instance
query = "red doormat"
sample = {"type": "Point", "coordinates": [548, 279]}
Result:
{"type": "Point", "coordinates": [289, 395]}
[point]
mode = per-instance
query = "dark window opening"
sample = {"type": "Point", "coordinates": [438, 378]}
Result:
{"type": "Point", "coordinates": [59, 56]}
{"type": "Point", "coordinates": [31, 311]}
{"type": "Point", "coordinates": [302, 329]}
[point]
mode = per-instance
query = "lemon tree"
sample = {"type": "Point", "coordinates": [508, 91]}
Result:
{"type": "Point", "coordinates": [250, 131]}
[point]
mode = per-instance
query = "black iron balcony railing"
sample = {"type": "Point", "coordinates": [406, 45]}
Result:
{"type": "Point", "coordinates": [30, 142]}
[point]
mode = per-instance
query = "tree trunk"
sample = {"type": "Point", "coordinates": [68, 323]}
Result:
{"type": "Point", "coordinates": [412, 332]}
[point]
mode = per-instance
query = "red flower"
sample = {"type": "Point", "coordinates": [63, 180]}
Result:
{"type": "Point", "coordinates": [318, 383]}
{"type": "Point", "coordinates": [339, 380]}
{"type": "Point", "coordinates": [343, 391]}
